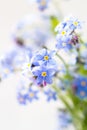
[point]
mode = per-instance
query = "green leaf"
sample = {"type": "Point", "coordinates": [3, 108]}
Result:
{"type": "Point", "coordinates": [54, 22]}
{"type": "Point", "coordinates": [82, 71]}
{"type": "Point", "coordinates": [68, 77]}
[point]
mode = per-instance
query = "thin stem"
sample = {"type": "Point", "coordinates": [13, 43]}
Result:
{"type": "Point", "coordinates": [66, 66]}
{"type": "Point", "coordinates": [62, 97]}
{"type": "Point", "coordinates": [75, 118]}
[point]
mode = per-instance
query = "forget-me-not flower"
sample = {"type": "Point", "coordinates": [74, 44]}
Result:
{"type": "Point", "coordinates": [32, 94]}
{"type": "Point", "coordinates": [44, 57]}
{"type": "Point", "coordinates": [51, 95]}
{"type": "Point", "coordinates": [43, 74]}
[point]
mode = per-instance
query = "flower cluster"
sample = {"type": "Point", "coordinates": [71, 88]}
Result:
{"type": "Point", "coordinates": [31, 93]}
{"type": "Point", "coordinates": [13, 61]}
{"type": "Point", "coordinates": [43, 67]}
{"type": "Point", "coordinates": [67, 37]}
{"type": "Point", "coordinates": [27, 95]}
{"type": "Point", "coordinates": [67, 80]}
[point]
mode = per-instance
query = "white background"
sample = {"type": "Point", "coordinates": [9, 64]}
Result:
{"type": "Point", "coordinates": [39, 115]}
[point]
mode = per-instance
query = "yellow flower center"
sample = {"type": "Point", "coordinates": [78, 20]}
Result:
{"type": "Point", "coordinates": [75, 23]}
{"type": "Point", "coordinates": [28, 65]}
{"type": "Point", "coordinates": [6, 71]}
{"type": "Point", "coordinates": [44, 74]}
{"type": "Point", "coordinates": [43, 3]}
{"type": "Point", "coordinates": [63, 33]}
{"type": "Point", "coordinates": [46, 57]}
{"type": "Point", "coordinates": [83, 83]}
{"type": "Point", "coordinates": [67, 19]}
{"type": "Point", "coordinates": [31, 94]}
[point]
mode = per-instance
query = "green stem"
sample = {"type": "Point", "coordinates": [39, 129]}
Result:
{"type": "Point", "coordinates": [66, 66]}
{"type": "Point", "coordinates": [77, 120]}
{"type": "Point", "coordinates": [62, 97]}
{"type": "Point", "coordinates": [81, 40]}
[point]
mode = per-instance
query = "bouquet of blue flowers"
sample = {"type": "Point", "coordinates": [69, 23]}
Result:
{"type": "Point", "coordinates": [56, 68]}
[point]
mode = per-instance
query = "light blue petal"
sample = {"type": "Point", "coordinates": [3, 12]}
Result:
{"type": "Point", "coordinates": [39, 80]}
{"type": "Point", "coordinates": [39, 57]}
{"type": "Point", "coordinates": [48, 80]}
{"type": "Point", "coordinates": [36, 72]}
{"type": "Point", "coordinates": [51, 72]}
{"type": "Point", "coordinates": [43, 52]}
{"type": "Point", "coordinates": [52, 62]}
{"type": "Point", "coordinates": [52, 53]}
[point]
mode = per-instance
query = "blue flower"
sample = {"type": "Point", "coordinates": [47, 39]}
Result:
{"type": "Point", "coordinates": [42, 4]}
{"type": "Point", "coordinates": [64, 119]}
{"type": "Point", "coordinates": [32, 94]}
{"type": "Point", "coordinates": [22, 94]}
{"type": "Point", "coordinates": [43, 74]}
{"type": "Point", "coordinates": [51, 95]}
{"type": "Point", "coordinates": [45, 58]}
{"type": "Point", "coordinates": [6, 65]}
{"type": "Point", "coordinates": [74, 23]}
{"type": "Point", "coordinates": [80, 87]}
{"type": "Point", "coordinates": [61, 27]}
{"type": "Point", "coordinates": [66, 36]}
{"type": "Point", "coordinates": [65, 26]}
{"type": "Point", "coordinates": [63, 43]}
{"type": "Point", "coordinates": [22, 98]}
{"type": "Point", "coordinates": [70, 23]}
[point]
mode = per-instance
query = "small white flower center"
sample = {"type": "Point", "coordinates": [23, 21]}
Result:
{"type": "Point", "coordinates": [64, 44]}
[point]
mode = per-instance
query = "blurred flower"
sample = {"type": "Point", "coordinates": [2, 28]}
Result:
{"type": "Point", "coordinates": [6, 64]}
{"type": "Point", "coordinates": [32, 94]}
{"type": "Point", "coordinates": [22, 99]}
{"type": "Point", "coordinates": [63, 43]}
{"type": "Point", "coordinates": [22, 94]}
{"type": "Point", "coordinates": [22, 54]}
{"type": "Point", "coordinates": [32, 31]}
{"type": "Point", "coordinates": [69, 25]}
{"type": "Point", "coordinates": [64, 119]}
{"type": "Point", "coordinates": [14, 60]}
{"type": "Point", "coordinates": [42, 4]}
{"type": "Point", "coordinates": [51, 95]}
{"type": "Point", "coordinates": [80, 87]}
{"type": "Point", "coordinates": [74, 23]}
